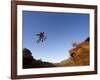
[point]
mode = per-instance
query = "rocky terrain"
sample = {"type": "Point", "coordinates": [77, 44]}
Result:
{"type": "Point", "coordinates": [79, 56]}
{"type": "Point", "coordinates": [30, 62]}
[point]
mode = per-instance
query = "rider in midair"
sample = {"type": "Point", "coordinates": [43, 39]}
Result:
{"type": "Point", "coordinates": [41, 36]}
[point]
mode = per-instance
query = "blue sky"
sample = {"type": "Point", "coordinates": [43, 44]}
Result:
{"type": "Point", "coordinates": [61, 29]}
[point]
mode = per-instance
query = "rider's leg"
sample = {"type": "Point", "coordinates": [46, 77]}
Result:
{"type": "Point", "coordinates": [42, 39]}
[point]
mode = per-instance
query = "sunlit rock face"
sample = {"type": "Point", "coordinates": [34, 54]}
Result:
{"type": "Point", "coordinates": [79, 55]}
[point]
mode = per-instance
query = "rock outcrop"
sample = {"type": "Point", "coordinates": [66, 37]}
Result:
{"type": "Point", "coordinates": [79, 55]}
{"type": "Point", "coordinates": [30, 62]}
